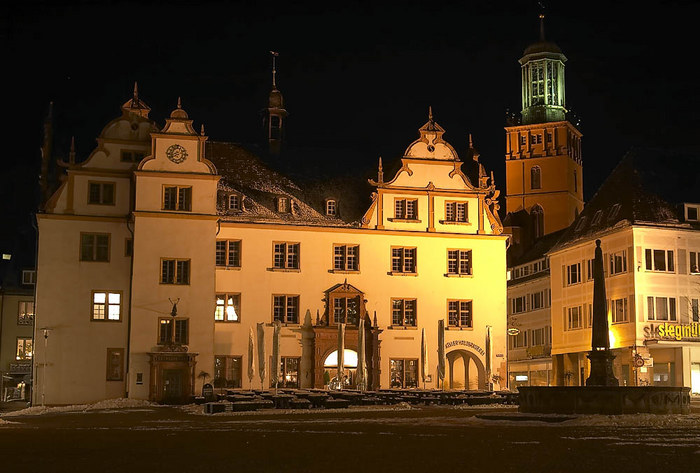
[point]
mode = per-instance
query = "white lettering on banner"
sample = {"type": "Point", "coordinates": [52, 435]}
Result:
{"type": "Point", "coordinates": [466, 343]}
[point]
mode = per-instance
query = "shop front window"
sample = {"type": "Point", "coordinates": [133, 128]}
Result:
{"type": "Point", "coordinates": [403, 373]}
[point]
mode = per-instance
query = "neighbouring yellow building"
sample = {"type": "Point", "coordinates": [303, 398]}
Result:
{"type": "Point", "coordinates": [162, 253]}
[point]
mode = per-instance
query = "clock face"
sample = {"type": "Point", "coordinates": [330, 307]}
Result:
{"type": "Point", "coordinates": [176, 154]}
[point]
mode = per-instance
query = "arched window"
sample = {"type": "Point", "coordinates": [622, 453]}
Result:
{"type": "Point", "coordinates": [537, 221]}
{"type": "Point", "coordinates": [331, 208]}
{"type": "Point", "coordinates": [535, 177]}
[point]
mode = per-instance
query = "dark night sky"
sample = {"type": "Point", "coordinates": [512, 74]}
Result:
{"type": "Point", "coordinates": [355, 75]}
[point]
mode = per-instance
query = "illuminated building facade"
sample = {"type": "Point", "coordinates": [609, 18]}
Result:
{"type": "Point", "coordinates": [646, 216]}
{"type": "Point", "coordinates": [162, 252]}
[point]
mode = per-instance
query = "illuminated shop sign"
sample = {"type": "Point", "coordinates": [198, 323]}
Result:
{"type": "Point", "coordinates": [678, 332]}
{"type": "Point", "coordinates": [466, 343]}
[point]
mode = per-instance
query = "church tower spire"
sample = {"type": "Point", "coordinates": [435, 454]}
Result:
{"type": "Point", "coordinates": [275, 114]}
{"type": "Point", "coordinates": [544, 169]}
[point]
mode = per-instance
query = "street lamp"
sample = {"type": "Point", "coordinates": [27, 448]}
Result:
{"type": "Point", "coordinates": [45, 331]}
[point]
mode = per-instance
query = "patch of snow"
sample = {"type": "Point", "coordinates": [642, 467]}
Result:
{"type": "Point", "coordinates": [486, 406]}
{"type": "Point", "coordinates": [108, 404]}
{"type": "Point", "coordinates": [637, 420]}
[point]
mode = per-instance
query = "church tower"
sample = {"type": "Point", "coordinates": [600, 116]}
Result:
{"type": "Point", "coordinates": [275, 114]}
{"type": "Point", "coordinates": [543, 151]}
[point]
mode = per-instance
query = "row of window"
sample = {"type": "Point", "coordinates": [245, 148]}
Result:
{"type": "Point", "coordinates": [106, 306]}
{"type": "Point", "coordinates": [407, 209]}
{"type": "Point", "coordinates": [529, 302]}
{"type": "Point", "coordinates": [530, 268]}
{"type": "Point", "coordinates": [531, 338]}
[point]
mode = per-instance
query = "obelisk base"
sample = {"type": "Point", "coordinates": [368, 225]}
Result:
{"type": "Point", "coordinates": [601, 369]}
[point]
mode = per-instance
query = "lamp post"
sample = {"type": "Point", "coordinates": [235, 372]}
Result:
{"type": "Point", "coordinates": [45, 331]}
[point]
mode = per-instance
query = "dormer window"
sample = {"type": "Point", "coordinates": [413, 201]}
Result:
{"type": "Point", "coordinates": [406, 209]}
{"type": "Point", "coordinates": [614, 210]}
{"type": "Point", "coordinates": [128, 156]}
{"type": "Point", "coordinates": [331, 208]}
{"type": "Point", "coordinates": [234, 202]}
{"type": "Point", "coordinates": [283, 205]}
{"type": "Point", "coordinates": [692, 212]}
{"type": "Point", "coordinates": [597, 217]}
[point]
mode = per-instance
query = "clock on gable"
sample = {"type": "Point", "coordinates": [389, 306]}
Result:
{"type": "Point", "coordinates": [176, 153]}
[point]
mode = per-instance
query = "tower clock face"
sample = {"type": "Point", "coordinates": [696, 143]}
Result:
{"type": "Point", "coordinates": [176, 154]}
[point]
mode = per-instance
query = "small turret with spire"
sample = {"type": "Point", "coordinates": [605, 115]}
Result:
{"type": "Point", "coordinates": [275, 114]}
{"type": "Point", "coordinates": [135, 105]}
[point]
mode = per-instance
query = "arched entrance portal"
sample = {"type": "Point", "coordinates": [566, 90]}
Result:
{"type": "Point", "coordinates": [465, 371]}
{"type": "Point", "coordinates": [330, 365]}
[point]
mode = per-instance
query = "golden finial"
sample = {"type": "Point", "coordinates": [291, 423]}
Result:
{"type": "Point", "coordinates": [430, 113]}
{"type": "Point", "coordinates": [201, 131]}
{"type": "Point", "coordinates": [179, 102]}
{"type": "Point", "coordinates": [380, 172]}
{"type": "Point", "coordinates": [136, 92]}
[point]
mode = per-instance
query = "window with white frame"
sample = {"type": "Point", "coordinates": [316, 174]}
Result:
{"type": "Point", "coordinates": [618, 262]}
{"type": "Point", "coordinates": [106, 306]}
{"type": "Point", "coordinates": [573, 274]}
{"type": "Point", "coordinates": [659, 260]}
{"type": "Point", "coordinates": [331, 208]}
{"type": "Point", "coordinates": [234, 202]}
{"type": "Point", "coordinates": [518, 304]}
{"type": "Point", "coordinates": [539, 300]}
{"type": "Point", "coordinates": [29, 277]}
{"type": "Point", "coordinates": [519, 340]}
{"type": "Point", "coordinates": [459, 262]}
{"type": "Point", "coordinates": [228, 308]}
{"type": "Point", "coordinates": [285, 255]}
{"type": "Point", "coordinates": [346, 257]}
{"type": "Point", "coordinates": [618, 309]}
{"type": "Point", "coordinates": [228, 253]}
{"type": "Point", "coordinates": [661, 308]}
{"type": "Point", "coordinates": [538, 337]}
{"type": "Point", "coordinates": [692, 212]}
{"type": "Point", "coordinates": [284, 205]}
{"type": "Point", "coordinates": [25, 313]}
{"type": "Point", "coordinates": [574, 318]}
{"type": "Point", "coordinates": [589, 269]}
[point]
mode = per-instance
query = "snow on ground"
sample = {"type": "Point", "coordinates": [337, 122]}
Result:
{"type": "Point", "coordinates": [120, 403]}
{"type": "Point", "coordinates": [199, 410]}
{"type": "Point", "coordinates": [637, 420]}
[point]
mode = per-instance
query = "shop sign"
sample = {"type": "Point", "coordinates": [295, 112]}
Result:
{"type": "Point", "coordinates": [21, 367]}
{"type": "Point", "coordinates": [466, 343]}
{"type": "Point", "coordinates": [677, 332]}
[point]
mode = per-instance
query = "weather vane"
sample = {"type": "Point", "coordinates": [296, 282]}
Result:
{"type": "Point", "coordinates": [274, 69]}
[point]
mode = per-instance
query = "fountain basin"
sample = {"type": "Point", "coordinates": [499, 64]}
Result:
{"type": "Point", "coordinates": [604, 399]}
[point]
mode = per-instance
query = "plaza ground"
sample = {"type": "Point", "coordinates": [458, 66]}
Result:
{"type": "Point", "coordinates": [378, 439]}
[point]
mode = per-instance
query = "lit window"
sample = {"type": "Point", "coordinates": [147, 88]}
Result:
{"type": "Point", "coordinates": [94, 247]}
{"type": "Point", "coordinates": [459, 262]}
{"type": "Point", "coordinates": [456, 212]}
{"type": "Point", "coordinates": [25, 348]}
{"type": "Point", "coordinates": [659, 260]}
{"type": "Point", "coordinates": [403, 260]}
{"type": "Point", "coordinates": [285, 308]}
{"type": "Point", "coordinates": [535, 177]}
{"type": "Point", "coordinates": [177, 198]}
{"type": "Point", "coordinates": [346, 257]}
{"type": "Point", "coordinates": [106, 306]}
{"type": "Point", "coordinates": [459, 313]}
{"type": "Point", "coordinates": [661, 308]}
{"type": "Point", "coordinates": [175, 271]}
{"type": "Point", "coordinates": [228, 308]}
{"type": "Point", "coordinates": [173, 330]}
{"type": "Point", "coordinates": [406, 209]}
{"type": "Point", "coordinates": [286, 256]}
{"type": "Point", "coordinates": [25, 314]}
{"type": "Point", "coordinates": [331, 208]}
{"type": "Point", "coordinates": [618, 307]}
{"type": "Point", "coordinates": [403, 373]}
{"type": "Point", "coordinates": [101, 193]}
{"type": "Point", "coordinates": [403, 312]}
{"type": "Point", "coordinates": [228, 253]}
{"type": "Point", "coordinates": [288, 373]}
{"type": "Point", "coordinates": [234, 202]}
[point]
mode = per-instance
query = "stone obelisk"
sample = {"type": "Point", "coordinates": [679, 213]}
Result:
{"type": "Point", "coordinates": [600, 354]}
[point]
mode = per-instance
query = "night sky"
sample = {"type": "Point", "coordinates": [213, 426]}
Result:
{"type": "Point", "coordinates": [355, 76]}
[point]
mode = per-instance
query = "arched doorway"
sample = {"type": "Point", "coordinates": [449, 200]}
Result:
{"type": "Point", "coordinates": [465, 371]}
{"type": "Point", "coordinates": [330, 365]}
